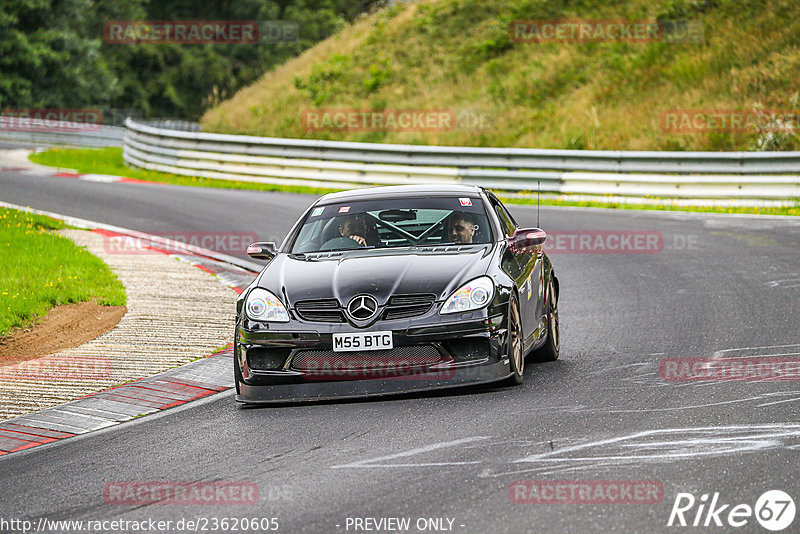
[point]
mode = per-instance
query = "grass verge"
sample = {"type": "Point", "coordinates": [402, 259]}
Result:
{"type": "Point", "coordinates": [41, 269]}
{"type": "Point", "coordinates": [467, 57]}
{"type": "Point", "coordinates": [109, 161]}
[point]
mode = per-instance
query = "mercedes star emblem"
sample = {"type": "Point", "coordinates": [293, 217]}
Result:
{"type": "Point", "coordinates": [362, 307]}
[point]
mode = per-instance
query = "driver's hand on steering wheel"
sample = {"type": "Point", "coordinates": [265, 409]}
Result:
{"type": "Point", "coordinates": [358, 239]}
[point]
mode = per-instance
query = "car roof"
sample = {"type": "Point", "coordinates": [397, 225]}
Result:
{"type": "Point", "coordinates": [393, 191]}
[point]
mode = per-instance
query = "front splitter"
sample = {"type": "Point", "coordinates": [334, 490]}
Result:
{"type": "Point", "coordinates": [348, 389]}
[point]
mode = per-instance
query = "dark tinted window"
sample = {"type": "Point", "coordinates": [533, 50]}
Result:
{"type": "Point", "coordinates": [506, 221]}
{"type": "Point", "coordinates": [394, 223]}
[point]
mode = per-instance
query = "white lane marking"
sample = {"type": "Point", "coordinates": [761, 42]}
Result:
{"type": "Point", "coordinates": [685, 443]}
{"type": "Point", "coordinates": [693, 442]}
{"type": "Point", "coordinates": [721, 353]}
{"type": "Point", "coordinates": [412, 452]}
{"type": "Point", "coordinates": [758, 397]}
{"type": "Point", "coordinates": [487, 473]}
{"type": "Point", "coordinates": [746, 356]}
{"type": "Point", "coordinates": [777, 402]}
{"type": "Point", "coordinates": [561, 408]}
{"type": "Point", "coordinates": [788, 283]}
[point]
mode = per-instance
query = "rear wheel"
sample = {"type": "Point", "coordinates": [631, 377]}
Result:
{"type": "Point", "coordinates": [516, 356]}
{"type": "Point", "coordinates": [550, 350]}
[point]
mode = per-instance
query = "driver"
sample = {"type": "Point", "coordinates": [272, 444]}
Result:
{"type": "Point", "coordinates": [353, 227]}
{"type": "Point", "coordinates": [460, 227]}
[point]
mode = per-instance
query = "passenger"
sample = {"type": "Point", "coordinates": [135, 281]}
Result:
{"type": "Point", "coordinates": [460, 227]}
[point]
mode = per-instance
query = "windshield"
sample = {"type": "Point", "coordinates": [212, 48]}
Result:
{"type": "Point", "coordinates": [394, 223]}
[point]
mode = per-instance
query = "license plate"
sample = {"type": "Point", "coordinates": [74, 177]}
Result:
{"type": "Point", "coordinates": [362, 341]}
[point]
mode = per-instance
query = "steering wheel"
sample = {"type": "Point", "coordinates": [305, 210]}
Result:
{"type": "Point", "coordinates": [340, 243]}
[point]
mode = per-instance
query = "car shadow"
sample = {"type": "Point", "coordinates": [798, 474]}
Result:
{"type": "Point", "coordinates": [531, 369]}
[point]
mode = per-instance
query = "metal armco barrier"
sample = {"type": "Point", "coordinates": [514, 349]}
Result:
{"type": "Point", "coordinates": [62, 133]}
{"type": "Point", "coordinates": [724, 175]}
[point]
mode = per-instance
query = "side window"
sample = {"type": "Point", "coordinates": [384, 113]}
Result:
{"type": "Point", "coordinates": [510, 217]}
{"type": "Point", "coordinates": [505, 218]}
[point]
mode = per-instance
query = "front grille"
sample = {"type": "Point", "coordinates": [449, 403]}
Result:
{"type": "Point", "coordinates": [319, 311]}
{"type": "Point", "coordinates": [266, 359]}
{"type": "Point", "coordinates": [403, 306]}
{"type": "Point", "coordinates": [409, 357]}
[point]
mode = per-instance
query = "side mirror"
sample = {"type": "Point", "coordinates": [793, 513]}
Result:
{"type": "Point", "coordinates": [262, 250]}
{"type": "Point", "coordinates": [526, 239]}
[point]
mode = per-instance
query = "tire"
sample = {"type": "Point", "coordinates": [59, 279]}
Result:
{"type": "Point", "coordinates": [550, 350]}
{"type": "Point", "coordinates": [516, 356]}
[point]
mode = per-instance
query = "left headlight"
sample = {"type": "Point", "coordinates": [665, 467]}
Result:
{"type": "Point", "coordinates": [471, 296]}
{"type": "Point", "coordinates": [261, 305]}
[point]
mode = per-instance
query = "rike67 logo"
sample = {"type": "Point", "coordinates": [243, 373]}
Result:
{"type": "Point", "coordinates": [774, 510]}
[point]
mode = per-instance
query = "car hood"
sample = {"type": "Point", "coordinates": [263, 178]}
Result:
{"type": "Point", "coordinates": [378, 273]}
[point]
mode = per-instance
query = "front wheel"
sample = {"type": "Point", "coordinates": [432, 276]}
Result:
{"type": "Point", "coordinates": [516, 356]}
{"type": "Point", "coordinates": [550, 350]}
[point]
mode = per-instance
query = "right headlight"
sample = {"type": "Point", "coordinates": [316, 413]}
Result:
{"type": "Point", "coordinates": [473, 295]}
{"type": "Point", "coordinates": [261, 305]}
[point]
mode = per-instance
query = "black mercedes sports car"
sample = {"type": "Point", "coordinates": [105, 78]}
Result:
{"type": "Point", "coordinates": [394, 289]}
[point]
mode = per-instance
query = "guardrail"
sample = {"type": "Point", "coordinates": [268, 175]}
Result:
{"type": "Point", "coordinates": [729, 175]}
{"type": "Point", "coordinates": [61, 133]}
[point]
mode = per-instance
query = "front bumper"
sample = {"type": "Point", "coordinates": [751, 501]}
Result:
{"type": "Point", "coordinates": [322, 391]}
{"type": "Point", "coordinates": [471, 351]}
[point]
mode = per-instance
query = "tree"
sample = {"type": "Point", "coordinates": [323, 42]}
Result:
{"type": "Point", "coordinates": [52, 53]}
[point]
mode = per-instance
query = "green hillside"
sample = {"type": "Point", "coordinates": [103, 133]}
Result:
{"type": "Point", "coordinates": [458, 55]}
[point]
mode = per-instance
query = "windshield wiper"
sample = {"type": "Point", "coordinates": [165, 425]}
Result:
{"type": "Point", "coordinates": [429, 245]}
{"type": "Point", "coordinates": [341, 250]}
